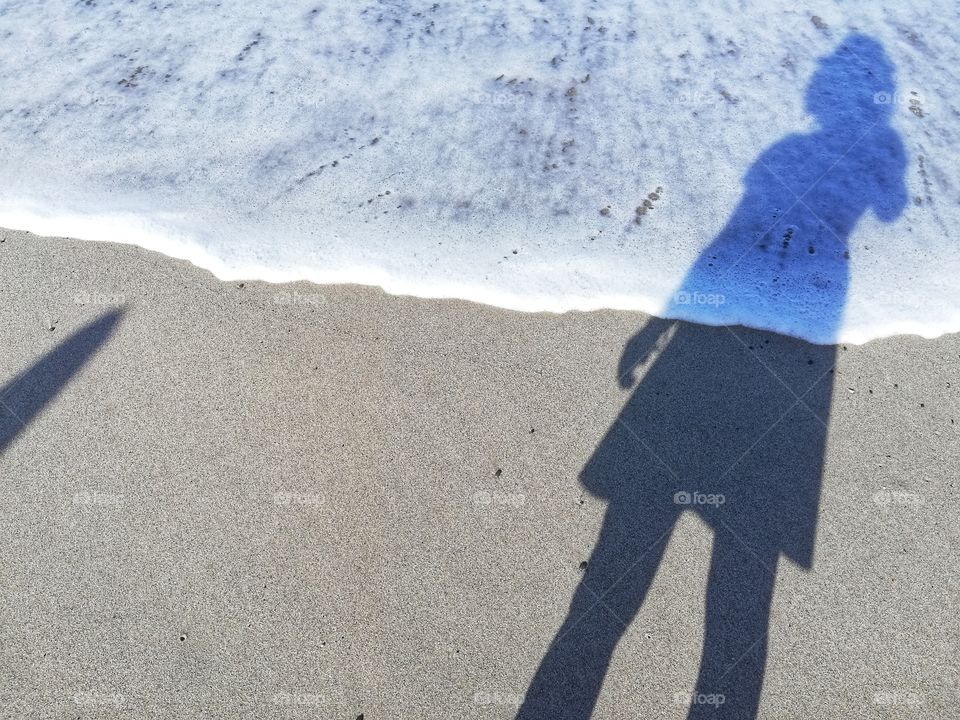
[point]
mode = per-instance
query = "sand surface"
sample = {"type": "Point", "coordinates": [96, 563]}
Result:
{"type": "Point", "coordinates": [244, 500]}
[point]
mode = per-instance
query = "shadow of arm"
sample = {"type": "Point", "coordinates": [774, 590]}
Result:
{"type": "Point", "coordinates": [638, 349]}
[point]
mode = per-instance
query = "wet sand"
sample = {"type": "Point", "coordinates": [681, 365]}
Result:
{"type": "Point", "coordinates": [254, 500]}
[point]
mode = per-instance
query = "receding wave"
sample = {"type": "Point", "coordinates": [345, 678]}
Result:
{"type": "Point", "coordinates": [774, 169]}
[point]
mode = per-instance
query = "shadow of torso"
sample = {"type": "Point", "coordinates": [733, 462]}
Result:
{"type": "Point", "coordinates": [741, 415]}
{"type": "Point", "coordinates": [782, 260]}
{"type": "Point", "coordinates": [729, 423]}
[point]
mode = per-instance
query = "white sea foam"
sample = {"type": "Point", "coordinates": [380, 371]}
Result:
{"type": "Point", "coordinates": [489, 151]}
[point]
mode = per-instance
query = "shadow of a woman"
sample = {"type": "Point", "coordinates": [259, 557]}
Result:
{"type": "Point", "coordinates": [730, 422]}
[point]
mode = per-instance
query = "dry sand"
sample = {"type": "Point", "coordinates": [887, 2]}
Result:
{"type": "Point", "coordinates": [249, 500]}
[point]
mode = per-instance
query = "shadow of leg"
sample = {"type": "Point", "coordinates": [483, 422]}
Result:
{"type": "Point", "coordinates": [739, 591]}
{"type": "Point", "coordinates": [618, 575]}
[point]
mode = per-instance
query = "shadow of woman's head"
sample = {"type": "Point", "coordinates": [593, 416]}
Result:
{"type": "Point", "coordinates": [782, 261]}
{"type": "Point", "coordinates": [853, 87]}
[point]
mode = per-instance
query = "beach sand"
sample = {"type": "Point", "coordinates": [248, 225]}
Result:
{"type": "Point", "coordinates": [244, 500]}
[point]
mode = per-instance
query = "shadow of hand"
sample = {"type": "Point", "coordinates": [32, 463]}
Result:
{"type": "Point", "coordinates": [639, 349]}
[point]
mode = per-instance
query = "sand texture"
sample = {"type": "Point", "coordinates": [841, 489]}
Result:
{"type": "Point", "coordinates": [244, 500]}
